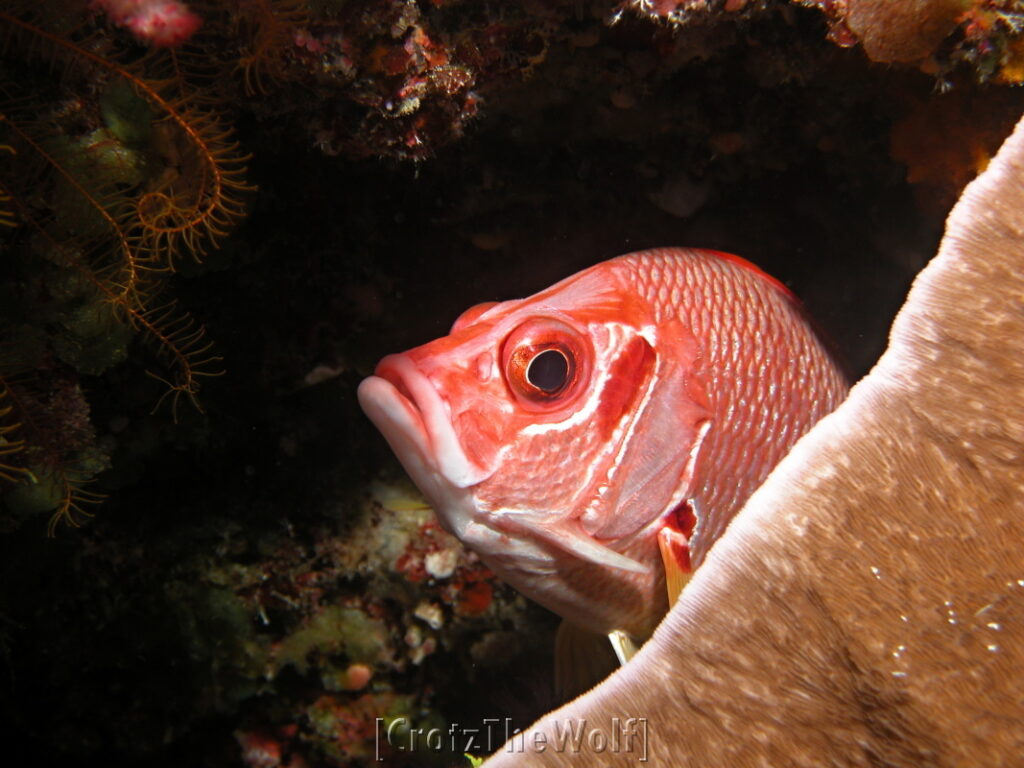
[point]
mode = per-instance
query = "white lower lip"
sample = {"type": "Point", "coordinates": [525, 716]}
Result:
{"type": "Point", "coordinates": [412, 405]}
{"type": "Point", "coordinates": [394, 415]}
{"type": "Point", "coordinates": [414, 420]}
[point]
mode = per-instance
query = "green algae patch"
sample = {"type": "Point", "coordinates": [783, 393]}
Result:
{"type": "Point", "coordinates": [334, 630]}
{"type": "Point", "coordinates": [228, 658]}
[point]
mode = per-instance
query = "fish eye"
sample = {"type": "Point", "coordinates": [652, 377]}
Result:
{"type": "Point", "coordinates": [548, 371]}
{"type": "Point", "coordinates": [541, 371]}
{"type": "Point", "coordinates": [546, 363]}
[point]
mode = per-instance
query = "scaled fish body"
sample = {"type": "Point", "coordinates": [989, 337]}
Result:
{"type": "Point", "coordinates": [559, 436]}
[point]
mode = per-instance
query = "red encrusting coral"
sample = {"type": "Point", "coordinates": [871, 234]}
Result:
{"type": "Point", "coordinates": [269, 750]}
{"type": "Point", "coordinates": [474, 597]}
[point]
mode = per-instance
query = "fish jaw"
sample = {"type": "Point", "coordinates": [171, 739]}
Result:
{"type": "Point", "coordinates": [564, 534]}
{"type": "Point", "coordinates": [408, 411]}
{"type": "Point", "coordinates": [591, 585]}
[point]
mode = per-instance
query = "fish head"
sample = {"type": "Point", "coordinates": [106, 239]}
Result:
{"type": "Point", "coordinates": [552, 435]}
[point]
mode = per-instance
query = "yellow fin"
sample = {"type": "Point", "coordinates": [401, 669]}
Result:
{"type": "Point", "coordinates": [582, 660]}
{"type": "Point", "coordinates": [672, 545]}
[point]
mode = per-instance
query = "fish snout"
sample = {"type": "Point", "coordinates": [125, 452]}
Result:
{"type": "Point", "coordinates": [408, 400]}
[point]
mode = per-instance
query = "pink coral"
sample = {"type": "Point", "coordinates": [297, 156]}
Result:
{"type": "Point", "coordinates": [160, 22]}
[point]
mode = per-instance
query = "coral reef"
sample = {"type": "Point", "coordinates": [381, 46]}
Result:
{"type": "Point", "coordinates": [366, 651]}
{"type": "Point", "coordinates": [938, 36]}
{"type": "Point", "coordinates": [312, 184]}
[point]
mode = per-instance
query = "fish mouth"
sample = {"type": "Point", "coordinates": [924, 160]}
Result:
{"type": "Point", "coordinates": [397, 418]}
{"type": "Point", "coordinates": [415, 420]}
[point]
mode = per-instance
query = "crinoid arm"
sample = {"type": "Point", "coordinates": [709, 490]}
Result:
{"type": "Point", "coordinates": [114, 166]}
{"type": "Point", "coordinates": [12, 445]}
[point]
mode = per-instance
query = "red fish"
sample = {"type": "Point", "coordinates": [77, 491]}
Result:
{"type": "Point", "coordinates": [638, 403]}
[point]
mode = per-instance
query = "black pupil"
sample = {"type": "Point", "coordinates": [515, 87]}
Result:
{"type": "Point", "coordinates": [548, 371]}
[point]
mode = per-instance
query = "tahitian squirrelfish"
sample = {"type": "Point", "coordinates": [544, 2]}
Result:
{"type": "Point", "coordinates": [576, 438]}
